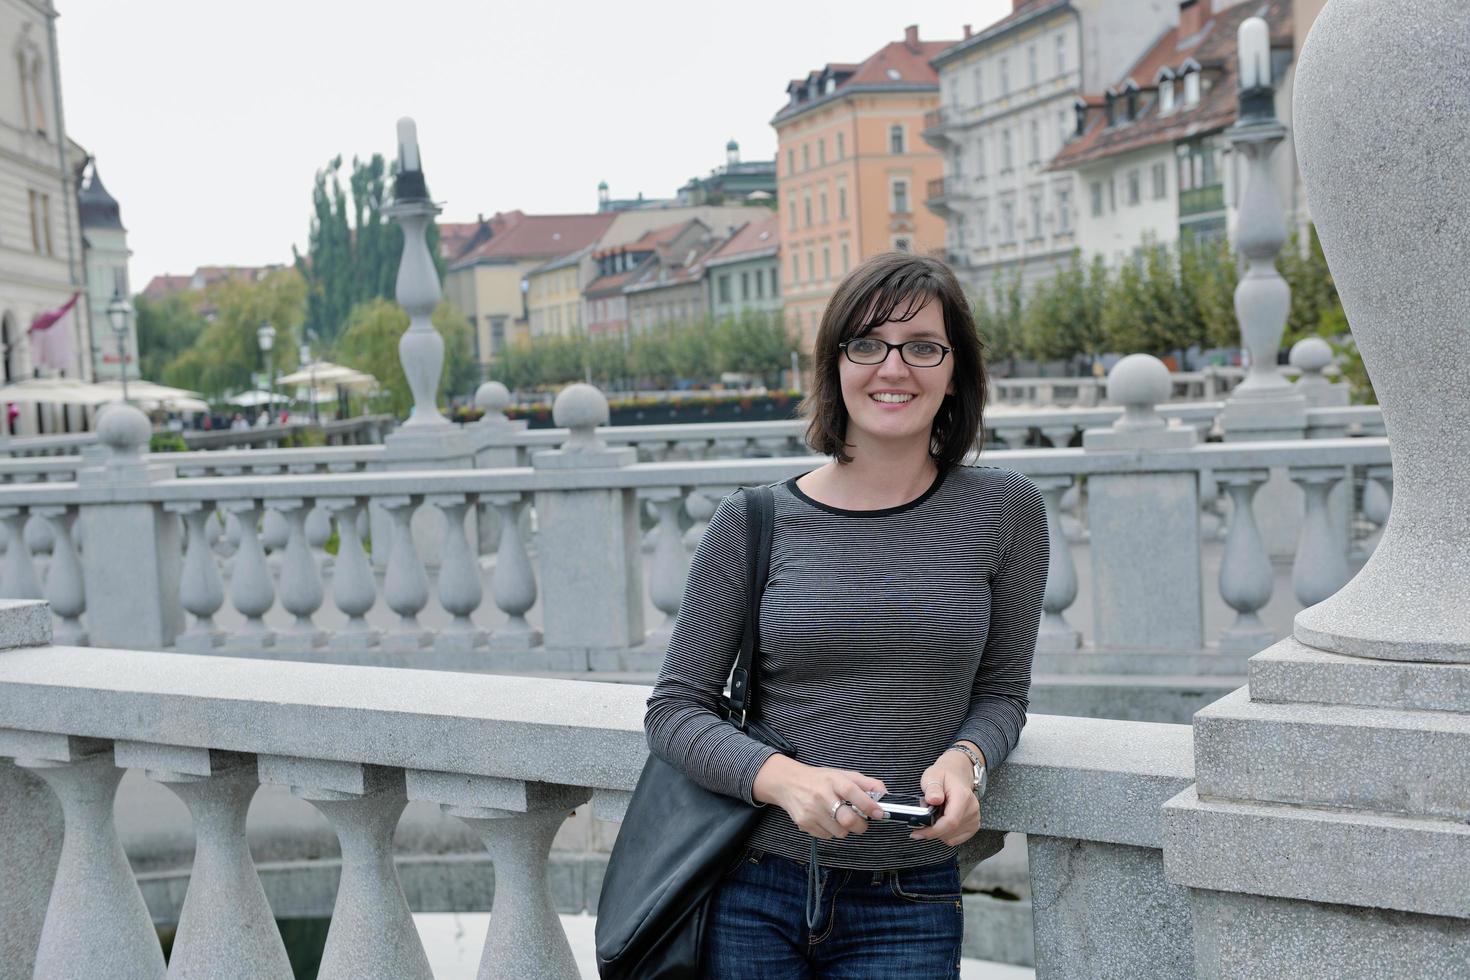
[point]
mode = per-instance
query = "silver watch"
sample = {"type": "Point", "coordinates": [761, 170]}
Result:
{"type": "Point", "coordinates": [978, 779]}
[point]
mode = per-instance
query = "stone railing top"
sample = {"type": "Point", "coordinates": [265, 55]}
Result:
{"type": "Point", "coordinates": [46, 445]}
{"type": "Point", "coordinates": [1069, 777]}
{"type": "Point", "coordinates": [1212, 457]}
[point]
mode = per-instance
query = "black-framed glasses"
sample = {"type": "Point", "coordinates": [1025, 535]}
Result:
{"type": "Point", "coordinates": [915, 353]}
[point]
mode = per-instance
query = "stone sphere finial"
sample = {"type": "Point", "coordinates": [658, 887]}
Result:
{"type": "Point", "coordinates": [1139, 382]}
{"type": "Point", "coordinates": [1311, 355]}
{"type": "Point", "coordinates": [581, 408]}
{"type": "Point", "coordinates": [492, 398]}
{"type": "Point", "coordinates": [125, 430]}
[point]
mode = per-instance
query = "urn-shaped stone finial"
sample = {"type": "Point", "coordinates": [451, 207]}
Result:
{"type": "Point", "coordinates": [1139, 382]}
{"type": "Point", "coordinates": [1385, 172]}
{"type": "Point", "coordinates": [581, 408]}
{"type": "Point", "coordinates": [492, 398]}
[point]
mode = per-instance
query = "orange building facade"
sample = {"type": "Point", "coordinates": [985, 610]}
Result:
{"type": "Point", "coordinates": [852, 170]}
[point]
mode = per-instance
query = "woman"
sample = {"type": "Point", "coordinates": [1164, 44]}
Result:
{"type": "Point", "coordinates": [897, 630]}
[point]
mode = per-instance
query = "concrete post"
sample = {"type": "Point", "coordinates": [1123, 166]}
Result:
{"type": "Point", "coordinates": [1145, 526]}
{"type": "Point", "coordinates": [588, 543]}
{"type": "Point", "coordinates": [139, 610]}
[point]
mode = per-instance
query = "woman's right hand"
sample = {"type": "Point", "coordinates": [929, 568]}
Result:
{"type": "Point", "coordinates": [807, 793]}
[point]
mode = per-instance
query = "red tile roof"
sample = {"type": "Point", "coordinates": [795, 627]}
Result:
{"type": "Point", "coordinates": [1214, 49]}
{"type": "Point", "coordinates": [753, 237]}
{"type": "Point", "coordinates": [540, 236]}
{"type": "Point", "coordinates": [162, 286]}
{"type": "Point", "coordinates": [901, 65]}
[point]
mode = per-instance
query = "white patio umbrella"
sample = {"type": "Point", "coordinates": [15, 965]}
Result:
{"type": "Point", "coordinates": [56, 391]}
{"type": "Point", "coordinates": [325, 374]}
{"type": "Point", "coordinates": [252, 399]}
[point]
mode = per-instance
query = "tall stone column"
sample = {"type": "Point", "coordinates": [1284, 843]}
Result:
{"type": "Point", "coordinates": [1144, 526]}
{"type": "Point", "coordinates": [588, 545]}
{"type": "Point", "coordinates": [1265, 406]}
{"type": "Point", "coordinates": [1328, 833]}
{"type": "Point", "coordinates": [426, 440]}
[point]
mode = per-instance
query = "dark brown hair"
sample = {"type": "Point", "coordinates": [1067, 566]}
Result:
{"type": "Point", "coordinates": [896, 286]}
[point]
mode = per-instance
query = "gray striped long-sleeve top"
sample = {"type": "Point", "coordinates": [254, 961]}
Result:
{"type": "Point", "coordinates": [886, 635]}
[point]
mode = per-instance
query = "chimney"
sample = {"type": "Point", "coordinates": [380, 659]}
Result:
{"type": "Point", "coordinates": [911, 35]}
{"type": "Point", "coordinates": [968, 32]}
{"type": "Point", "coordinates": [1193, 15]}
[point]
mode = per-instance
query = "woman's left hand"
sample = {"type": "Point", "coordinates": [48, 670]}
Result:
{"type": "Point", "coordinates": [948, 783]}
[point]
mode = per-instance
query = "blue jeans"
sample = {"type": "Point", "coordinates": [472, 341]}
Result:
{"type": "Point", "coordinates": [871, 924]}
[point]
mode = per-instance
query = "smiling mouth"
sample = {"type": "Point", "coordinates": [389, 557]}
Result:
{"type": "Point", "coordinates": [884, 398]}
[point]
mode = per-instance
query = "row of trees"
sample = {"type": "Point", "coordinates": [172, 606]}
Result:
{"type": "Point", "coordinates": [753, 343]}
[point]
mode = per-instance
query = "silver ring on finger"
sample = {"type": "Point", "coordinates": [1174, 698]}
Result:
{"type": "Point", "coordinates": [838, 806]}
{"type": "Point", "coordinates": [853, 807]}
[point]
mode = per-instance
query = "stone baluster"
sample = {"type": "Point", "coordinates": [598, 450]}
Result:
{"type": "Point", "coordinates": [670, 562]}
{"type": "Point", "coordinates": [514, 581]}
{"type": "Point", "coordinates": [1378, 494]}
{"type": "Point", "coordinates": [275, 531]}
{"type": "Point", "coordinates": [301, 580]}
{"type": "Point", "coordinates": [406, 583]}
{"type": "Point", "coordinates": [1014, 436]}
{"type": "Point", "coordinates": [1056, 634]}
{"type": "Point", "coordinates": [318, 533]}
{"type": "Point", "coordinates": [700, 506]}
{"type": "Point", "coordinates": [372, 932]}
{"type": "Point", "coordinates": [65, 590]}
{"type": "Point", "coordinates": [517, 821]}
{"type": "Point", "coordinates": [96, 922]}
{"type": "Point", "coordinates": [1246, 578]}
{"type": "Point", "coordinates": [353, 588]}
{"type": "Point", "coordinates": [18, 579]}
{"type": "Point", "coordinates": [201, 589]}
{"type": "Point", "coordinates": [460, 591]}
{"type": "Point", "coordinates": [38, 535]}
{"type": "Point", "coordinates": [1321, 563]}
{"type": "Point", "coordinates": [1060, 436]}
{"type": "Point", "coordinates": [420, 348]}
{"type": "Point", "coordinates": [225, 925]}
{"type": "Point", "coordinates": [251, 591]}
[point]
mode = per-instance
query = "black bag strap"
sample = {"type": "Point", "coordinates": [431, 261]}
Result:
{"type": "Point", "coordinates": [760, 515]}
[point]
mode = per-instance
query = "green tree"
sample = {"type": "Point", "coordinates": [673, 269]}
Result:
{"type": "Point", "coordinates": [1208, 273]}
{"type": "Point", "coordinates": [370, 343]}
{"type": "Point", "coordinates": [166, 328]}
{"type": "Point", "coordinates": [753, 343]}
{"type": "Point", "coordinates": [226, 354]}
{"type": "Point", "coordinates": [353, 249]}
{"type": "Point", "coordinates": [998, 316]}
{"type": "Point", "coordinates": [1064, 316]}
{"type": "Point", "coordinates": [1313, 291]}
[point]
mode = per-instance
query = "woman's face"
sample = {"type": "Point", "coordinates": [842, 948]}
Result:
{"type": "Point", "coordinates": [892, 402]}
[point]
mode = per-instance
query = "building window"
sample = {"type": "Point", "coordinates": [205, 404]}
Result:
{"type": "Point", "coordinates": [790, 162]}
{"type": "Point", "coordinates": [806, 205]}
{"type": "Point", "coordinates": [1005, 151]}
{"type": "Point", "coordinates": [900, 190]}
{"type": "Point", "coordinates": [821, 153]}
{"type": "Point", "coordinates": [725, 288]}
{"type": "Point", "coordinates": [1134, 192]}
{"type": "Point", "coordinates": [41, 223]}
{"type": "Point", "coordinates": [806, 156]}
{"type": "Point", "coordinates": [978, 76]}
{"type": "Point", "coordinates": [895, 138]}
{"type": "Point", "coordinates": [1166, 95]}
{"type": "Point", "coordinates": [1032, 74]}
{"type": "Point", "coordinates": [1036, 229]}
{"type": "Point", "coordinates": [1160, 181]}
{"type": "Point", "coordinates": [1198, 165]}
{"type": "Point", "coordinates": [497, 334]}
{"type": "Point", "coordinates": [795, 268]}
{"type": "Point", "coordinates": [1095, 191]}
{"type": "Point", "coordinates": [845, 260]}
{"type": "Point", "coordinates": [1035, 141]}
{"type": "Point", "coordinates": [959, 232]}
{"type": "Point", "coordinates": [1007, 222]}
{"type": "Point", "coordinates": [1061, 54]}
{"type": "Point", "coordinates": [822, 201]}
{"type": "Point", "coordinates": [1005, 77]}
{"type": "Point", "coordinates": [791, 210]}
{"type": "Point", "coordinates": [1191, 87]}
{"type": "Point", "coordinates": [744, 287]}
{"type": "Point", "coordinates": [1064, 211]}
{"type": "Point", "coordinates": [842, 203]}
{"type": "Point", "coordinates": [775, 290]}
{"type": "Point", "coordinates": [827, 263]}
{"type": "Point", "coordinates": [841, 148]}
{"type": "Point", "coordinates": [901, 244]}
{"type": "Point", "coordinates": [760, 284]}
{"type": "Point", "coordinates": [982, 224]}
{"type": "Point", "coordinates": [980, 157]}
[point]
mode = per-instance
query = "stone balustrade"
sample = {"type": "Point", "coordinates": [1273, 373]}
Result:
{"type": "Point", "coordinates": [507, 755]}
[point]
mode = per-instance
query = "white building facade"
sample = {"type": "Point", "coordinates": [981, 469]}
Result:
{"type": "Point", "coordinates": [1008, 106]}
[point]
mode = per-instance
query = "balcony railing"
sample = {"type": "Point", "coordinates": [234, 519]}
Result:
{"type": "Point", "coordinates": [1202, 200]}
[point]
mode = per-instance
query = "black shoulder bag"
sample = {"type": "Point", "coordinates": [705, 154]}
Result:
{"type": "Point", "coordinates": [678, 837]}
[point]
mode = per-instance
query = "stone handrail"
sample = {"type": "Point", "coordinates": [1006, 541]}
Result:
{"type": "Point", "coordinates": [509, 755]}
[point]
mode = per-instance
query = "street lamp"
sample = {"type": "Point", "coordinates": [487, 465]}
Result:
{"type": "Point", "coordinates": [118, 312]}
{"type": "Point", "coordinates": [266, 337]}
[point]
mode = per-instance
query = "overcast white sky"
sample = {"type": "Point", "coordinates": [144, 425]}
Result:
{"type": "Point", "coordinates": [208, 119]}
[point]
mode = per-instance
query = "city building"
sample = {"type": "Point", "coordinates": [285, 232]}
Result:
{"type": "Point", "coordinates": [105, 247]}
{"type": "Point", "coordinates": [166, 285]}
{"type": "Point", "coordinates": [668, 286]}
{"type": "Point", "coordinates": [554, 293]}
{"type": "Point", "coordinates": [1008, 103]}
{"type": "Point", "coordinates": [1149, 151]}
{"type": "Point", "coordinates": [749, 182]}
{"type": "Point", "coordinates": [851, 166]}
{"type": "Point", "coordinates": [487, 283]}
{"type": "Point", "coordinates": [41, 259]}
{"type": "Point", "coordinates": [743, 271]}
{"type": "Point", "coordinates": [606, 202]}
{"type": "Point", "coordinates": [617, 266]}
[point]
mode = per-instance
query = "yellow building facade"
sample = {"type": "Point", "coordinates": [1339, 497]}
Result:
{"type": "Point", "coordinates": [851, 171]}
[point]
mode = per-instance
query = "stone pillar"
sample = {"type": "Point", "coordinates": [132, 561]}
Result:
{"type": "Point", "coordinates": [588, 545]}
{"type": "Point", "coordinates": [495, 447]}
{"type": "Point", "coordinates": [1265, 406]}
{"type": "Point", "coordinates": [1144, 526]}
{"type": "Point", "coordinates": [1326, 834]}
{"type": "Point", "coordinates": [139, 610]}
